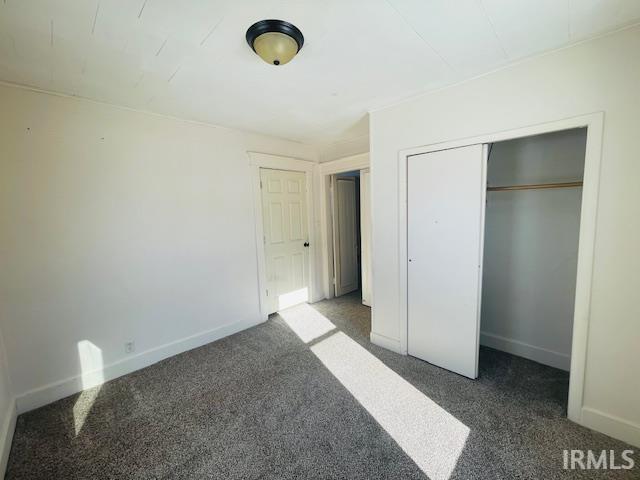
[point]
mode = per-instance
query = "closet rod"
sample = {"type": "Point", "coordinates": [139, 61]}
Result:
{"type": "Point", "coordinates": [535, 186]}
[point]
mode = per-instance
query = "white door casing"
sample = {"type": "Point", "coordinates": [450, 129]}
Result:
{"type": "Point", "coordinates": [345, 233]}
{"type": "Point", "coordinates": [365, 234]}
{"type": "Point", "coordinates": [286, 238]}
{"type": "Point", "coordinates": [594, 122]}
{"type": "Point", "coordinates": [326, 171]}
{"type": "Point", "coordinates": [446, 201]}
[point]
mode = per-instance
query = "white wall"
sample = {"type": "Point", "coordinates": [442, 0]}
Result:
{"type": "Point", "coordinates": [348, 148]}
{"type": "Point", "coordinates": [531, 247]}
{"type": "Point", "coordinates": [600, 75]}
{"type": "Point", "coordinates": [116, 226]}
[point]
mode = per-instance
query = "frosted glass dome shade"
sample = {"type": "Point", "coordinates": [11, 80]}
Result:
{"type": "Point", "coordinates": [275, 48]}
{"type": "Point", "coordinates": [275, 41]}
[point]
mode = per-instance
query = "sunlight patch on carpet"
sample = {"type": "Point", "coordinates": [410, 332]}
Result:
{"type": "Point", "coordinates": [306, 322]}
{"type": "Point", "coordinates": [432, 437]}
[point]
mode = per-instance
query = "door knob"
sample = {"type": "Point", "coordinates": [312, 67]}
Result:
{"type": "Point", "coordinates": [306, 244]}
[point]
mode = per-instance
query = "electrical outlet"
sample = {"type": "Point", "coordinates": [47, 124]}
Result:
{"type": "Point", "coordinates": [129, 347]}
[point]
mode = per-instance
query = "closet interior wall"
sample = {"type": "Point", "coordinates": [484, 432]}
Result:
{"type": "Point", "coordinates": [531, 247]}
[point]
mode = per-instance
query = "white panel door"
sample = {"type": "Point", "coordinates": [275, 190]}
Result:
{"type": "Point", "coordinates": [445, 213]}
{"type": "Point", "coordinates": [345, 235]}
{"type": "Point", "coordinates": [286, 239]}
{"type": "Point", "coordinates": [365, 234]}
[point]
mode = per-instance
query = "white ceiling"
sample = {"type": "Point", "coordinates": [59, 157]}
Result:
{"type": "Point", "coordinates": [189, 58]}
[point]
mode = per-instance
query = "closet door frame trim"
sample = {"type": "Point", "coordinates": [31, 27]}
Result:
{"type": "Point", "coordinates": [594, 123]}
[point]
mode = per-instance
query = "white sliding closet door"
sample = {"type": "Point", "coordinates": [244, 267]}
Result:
{"type": "Point", "coordinates": [445, 213]}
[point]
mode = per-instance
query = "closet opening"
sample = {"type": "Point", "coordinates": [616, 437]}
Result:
{"type": "Point", "coordinates": [530, 258]}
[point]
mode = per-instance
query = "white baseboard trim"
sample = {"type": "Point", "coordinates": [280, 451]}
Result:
{"type": "Point", "coordinates": [386, 342]}
{"type": "Point", "coordinates": [41, 396]}
{"type": "Point", "coordinates": [611, 425]}
{"type": "Point", "coordinates": [6, 437]}
{"type": "Point", "coordinates": [516, 347]}
{"type": "Point", "coordinates": [318, 297]}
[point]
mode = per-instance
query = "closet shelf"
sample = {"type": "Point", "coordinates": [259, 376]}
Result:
{"type": "Point", "coordinates": [535, 186]}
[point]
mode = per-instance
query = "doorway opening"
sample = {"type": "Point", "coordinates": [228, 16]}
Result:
{"type": "Point", "coordinates": [349, 231]}
{"type": "Point", "coordinates": [530, 259]}
{"type": "Point", "coordinates": [347, 242]}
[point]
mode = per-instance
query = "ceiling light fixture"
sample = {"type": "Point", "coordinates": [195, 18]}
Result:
{"type": "Point", "coordinates": [275, 41]}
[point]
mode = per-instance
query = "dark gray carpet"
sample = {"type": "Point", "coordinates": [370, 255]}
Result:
{"type": "Point", "coordinates": [259, 404]}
